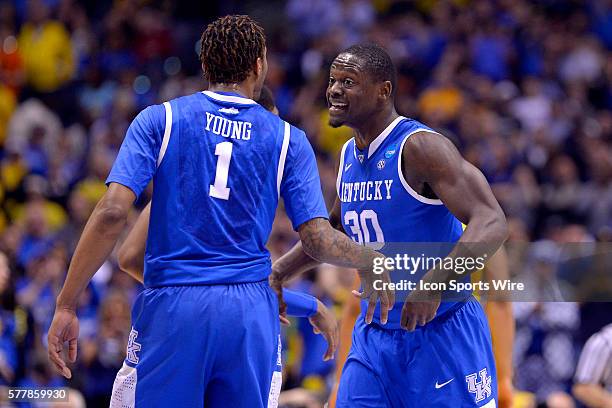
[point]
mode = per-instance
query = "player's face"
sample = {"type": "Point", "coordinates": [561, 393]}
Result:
{"type": "Point", "coordinates": [351, 94]}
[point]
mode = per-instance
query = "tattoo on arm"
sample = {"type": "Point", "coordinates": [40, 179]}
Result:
{"type": "Point", "coordinates": [326, 244]}
{"type": "Point", "coordinates": [297, 261]}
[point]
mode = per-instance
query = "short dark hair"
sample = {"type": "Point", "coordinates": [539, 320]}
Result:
{"type": "Point", "coordinates": [266, 99]}
{"type": "Point", "coordinates": [230, 48]}
{"type": "Point", "coordinates": [377, 62]}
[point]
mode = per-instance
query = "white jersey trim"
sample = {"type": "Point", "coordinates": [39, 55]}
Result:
{"type": "Point", "coordinates": [383, 135]}
{"type": "Point", "coordinates": [407, 187]}
{"type": "Point", "coordinates": [229, 98]}
{"type": "Point", "coordinates": [341, 166]}
{"type": "Point", "coordinates": [283, 157]}
{"type": "Point", "coordinates": [167, 131]}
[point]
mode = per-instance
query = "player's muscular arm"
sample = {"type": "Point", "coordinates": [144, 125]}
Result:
{"type": "Point", "coordinates": [320, 242]}
{"type": "Point", "coordinates": [97, 241]}
{"type": "Point", "coordinates": [132, 251]}
{"type": "Point", "coordinates": [432, 160]}
{"type": "Point", "coordinates": [324, 243]}
{"type": "Point", "coordinates": [501, 322]}
{"type": "Point", "coordinates": [297, 261]}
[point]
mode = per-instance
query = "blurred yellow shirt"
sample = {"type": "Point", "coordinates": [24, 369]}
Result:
{"type": "Point", "coordinates": [332, 139]}
{"type": "Point", "coordinates": [445, 101]}
{"type": "Point", "coordinates": [7, 106]}
{"type": "Point", "coordinates": [47, 55]}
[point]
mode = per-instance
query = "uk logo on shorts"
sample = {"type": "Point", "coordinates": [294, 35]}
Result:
{"type": "Point", "coordinates": [481, 388]}
{"type": "Point", "coordinates": [133, 348]}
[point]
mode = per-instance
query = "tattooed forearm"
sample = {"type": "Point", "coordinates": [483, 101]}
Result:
{"type": "Point", "coordinates": [326, 244]}
{"type": "Point", "coordinates": [297, 260]}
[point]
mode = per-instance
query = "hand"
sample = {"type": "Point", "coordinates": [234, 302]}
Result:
{"type": "Point", "coordinates": [64, 328]}
{"type": "Point", "coordinates": [277, 285]}
{"type": "Point", "coordinates": [419, 308]}
{"type": "Point", "coordinates": [386, 295]}
{"type": "Point", "coordinates": [324, 322]}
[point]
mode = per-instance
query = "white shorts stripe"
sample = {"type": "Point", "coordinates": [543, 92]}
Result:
{"type": "Point", "coordinates": [275, 389]}
{"type": "Point", "coordinates": [124, 388]}
{"type": "Point", "coordinates": [490, 404]}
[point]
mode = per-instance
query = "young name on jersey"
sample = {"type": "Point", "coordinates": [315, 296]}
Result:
{"type": "Point", "coordinates": [234, 129]}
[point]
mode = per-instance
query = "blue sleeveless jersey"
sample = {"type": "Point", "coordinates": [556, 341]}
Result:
{"type": "Point", "coordinates": [219, 163]}
{"type": "Point", "coordinates": [378, 205]}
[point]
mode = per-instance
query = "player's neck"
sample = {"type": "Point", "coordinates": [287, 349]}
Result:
{"type": "Point", "coordinates": [242, 89]}
{"type": "Point", "coordinates": [369, 130]}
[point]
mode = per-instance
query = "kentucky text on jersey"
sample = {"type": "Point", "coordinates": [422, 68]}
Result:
{"type": "Point", "coordinates": [366, 191]}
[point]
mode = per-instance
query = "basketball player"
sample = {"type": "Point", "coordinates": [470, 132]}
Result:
{"type": "Point", "coordinates": [400, 181]}
{"type": "Point", "coordinates": [206, 328]}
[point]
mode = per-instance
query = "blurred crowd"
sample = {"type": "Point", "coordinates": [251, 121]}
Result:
{"type": "Point", "coordinates": [523, 88]}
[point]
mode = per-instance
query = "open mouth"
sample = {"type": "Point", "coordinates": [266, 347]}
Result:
{"type": "Point", "coordinates": [337, 107]}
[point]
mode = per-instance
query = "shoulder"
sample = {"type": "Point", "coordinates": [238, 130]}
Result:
{"type": "Point", "coordinates": [429, 152]}
{"type": "Point", "coordinates": [153, 113]}
{"type": "Point", "coordinates": [152, 118]}
{"type": "Point", "coordinates": [410, 126]}
{"type": "Point", "coordinates": [186, 99]}
{"type": "Point", "coordinates": [416, 136]}
{"type": "Point", "coordinates": [426, 143]}
{"type": "Point", "coordinates": [296, 134]}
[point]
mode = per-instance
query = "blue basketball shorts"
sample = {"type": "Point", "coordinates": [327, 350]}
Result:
{"type": "Point", "coordinates": [202, 346]}
{"type": "Point", "coordinates": [446, 363]}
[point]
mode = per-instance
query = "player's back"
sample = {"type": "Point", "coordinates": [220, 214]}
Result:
{"type": "Point", "coordinates": [216, 189]}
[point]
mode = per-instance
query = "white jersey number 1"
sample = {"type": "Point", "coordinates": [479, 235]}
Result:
{"type": "Point", "coordinates": [219, 189]}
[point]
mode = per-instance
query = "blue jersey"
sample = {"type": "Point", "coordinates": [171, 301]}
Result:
{"type": "Point", "coordinates": [219, 163]}
{"type": "Point", "coordinates": [379, 206]}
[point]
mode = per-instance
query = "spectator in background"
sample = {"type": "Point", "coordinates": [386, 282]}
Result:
{"type": "Point", "coordinates": [46, 49]}
{"type": "Point", "coordinates": [11, 68]}
{"type": "Point", "coordinates": [48, 59]}
{"type": "Point", "coordinates": [593, 380]}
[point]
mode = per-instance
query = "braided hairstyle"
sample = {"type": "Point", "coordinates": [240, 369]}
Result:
{"type": "Point", "coordinates": [230, 48]}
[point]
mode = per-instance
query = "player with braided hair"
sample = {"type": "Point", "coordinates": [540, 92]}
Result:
{"type": "Point", "coordinates": [206, 328]}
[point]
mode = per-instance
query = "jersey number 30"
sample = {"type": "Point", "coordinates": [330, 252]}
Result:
{"type": "Point", "coordinates": [220, 189]}
{"type": "Point", "coordinates": [358, 224]}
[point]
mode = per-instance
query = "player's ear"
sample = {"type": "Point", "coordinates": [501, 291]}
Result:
{"type": "Point", "coordinates": [386, 90]}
